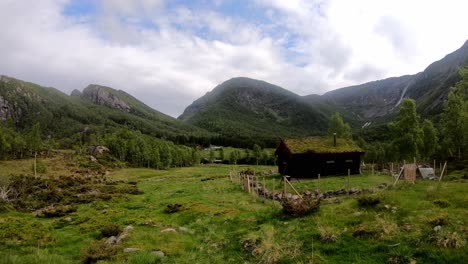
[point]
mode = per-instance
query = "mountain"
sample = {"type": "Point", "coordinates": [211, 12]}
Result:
{"type": "Point", "coordinates": [248, 109]}
{"type": "Point", "coordinates": [61, 115]}
{"type": "Point", "coordinates": [380, 99]}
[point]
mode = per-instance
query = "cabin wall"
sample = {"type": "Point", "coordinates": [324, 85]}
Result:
{"type": "Point", "coordinates": [309, 165]}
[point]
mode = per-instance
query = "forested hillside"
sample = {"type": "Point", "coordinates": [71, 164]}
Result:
{"type": "Point", "coordinates": [255, 112]}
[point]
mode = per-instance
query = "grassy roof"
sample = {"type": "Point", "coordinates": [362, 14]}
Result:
{"type": "Point", "coordinates": [321, 145]}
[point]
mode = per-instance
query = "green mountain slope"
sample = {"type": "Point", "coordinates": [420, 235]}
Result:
{"type": "Point", "coordinates": [255, 111]}
{"type": "Point", "coordinates": [378, 100]}
{"type": "Point", "coordinates": [61, 115]}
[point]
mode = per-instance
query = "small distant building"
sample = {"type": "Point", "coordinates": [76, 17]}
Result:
{"type": "Point", "coordinates": [308, 157]}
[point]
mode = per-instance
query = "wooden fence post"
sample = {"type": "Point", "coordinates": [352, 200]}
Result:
{"type": "Point", "coordinates": [273, 189]}
{"type": "Point", "coordinates": [318, 183]}
{"type": "Point", "coordinates": [349, 175]}
{"type": "Point", "coordinates": [284, 185]}
{"type": "Point", "coordinates": [442, 171]}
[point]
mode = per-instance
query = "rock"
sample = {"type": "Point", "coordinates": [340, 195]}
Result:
{"type": "Point", "coordinates": [92, 158]}
{"type": "Point", "coordinates": [307, 193]}
{"type": "Point", "coordinates": [130, 250]}
{"type": "Point", "coordinates": [120, 238]}
{"type": "Point", "coordinates": [183, 229]}
{"type": "Point", "coordinates": [158, 254]}
{"type": "Point", "coordinates": [169, 230]}
{"type": "Point", "coordinates": [437, 228]}
{"type": "Point", "coordinates": [102, 95]}
{"type": "Point", "coordinates": [295, 197]}
{"type": "Point", "coordinates": [93, 150]}
{"type": "Point", "coordinates": [128, 229]}
{"type": "Point", "coordinates": [383, 185]}
{"type": "Point", "coordinates": [68, 219]}
{"type": "Point", "coordinates": [111, 241]}
{"type": "Point", "coordinates": [288, 196]}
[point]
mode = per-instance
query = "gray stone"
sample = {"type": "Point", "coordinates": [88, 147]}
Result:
{"type": "Point", "coordinates": [437, 228]}
{"type": "Point", "coordinates": [183, 229]}
{"type": "Point", "coordinates": [130, 250]}
{"type": "Point", "coordinates": [68, 219]}
{"type": "Point", "coordinates": [128, 228]}
{"type": "Point", "coordinates": [169, 230]}
{"type": "Point", "coordinates": [158, 253]}
{"type": "Point", "coordinates": [121, 237]}
{"type": "Point", "coordinates": [111, 241]}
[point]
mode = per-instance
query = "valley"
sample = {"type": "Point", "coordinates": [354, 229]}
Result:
{"type": "Point", "coordinates": [214, 220]}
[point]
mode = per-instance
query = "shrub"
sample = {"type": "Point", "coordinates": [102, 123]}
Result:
{"type": "Point", "coordinates": [54, 211]}
{"type": "Point", "coordinates": [327, 235]}
{"type": "Point", "coordinates": [172, 208]}
{"type": "Point", "coordinates": [441, 203]}
{"type": "Point", "coordinates": [300, 207]}
{"type": "Point", "coordinates": [111, 230]}
{"type": "Point", "coordinates": [439, 220]}
{"type": "Point", "coordinates": [41, 167]}
{"type": "Point", "coordinates": [98, 251]}
{"type": "Point", "coordinates": [447, 239]}
{"type": "Point", "coordinates": [369, 200]}
{"type": "Point", "coordinates": [363, 231]}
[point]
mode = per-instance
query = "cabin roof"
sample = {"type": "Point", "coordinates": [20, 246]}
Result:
{"type": "Point", "coordinates": [321, 145]}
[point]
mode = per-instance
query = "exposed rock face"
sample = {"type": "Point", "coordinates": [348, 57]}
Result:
{"type": "Point", "coordinates": [76, 93]}
{"type": "Point", "coordinates": [4, 109]}
{"type": "Point", "coordinates": [103, 96]}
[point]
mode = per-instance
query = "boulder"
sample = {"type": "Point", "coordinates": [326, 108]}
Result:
{"type": "Point", "coordinates": [158, 254]}
{"type": "Point", "coordinates": [169, 230]}
{"type": "Point", "coordinates": [130, 250]}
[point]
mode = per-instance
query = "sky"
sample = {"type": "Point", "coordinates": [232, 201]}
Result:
{"type": "Point", "coordinates": [168, 53]}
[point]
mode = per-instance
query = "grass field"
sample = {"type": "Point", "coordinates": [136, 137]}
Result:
{"type": "Point", "coordinates": [217, 222]}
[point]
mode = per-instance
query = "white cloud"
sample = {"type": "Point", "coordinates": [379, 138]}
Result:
{"type": "Point", "coordinates": [168, 58]}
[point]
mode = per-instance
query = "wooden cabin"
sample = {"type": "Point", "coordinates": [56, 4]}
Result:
{"type": "Point", "coordinates": [308, 157]}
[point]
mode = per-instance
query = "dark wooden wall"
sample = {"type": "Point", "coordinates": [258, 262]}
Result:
{"type": "Point", "coordinates": [309, 165]}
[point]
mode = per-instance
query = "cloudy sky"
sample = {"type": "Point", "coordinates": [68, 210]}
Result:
{"type": "Point", "coordinates": [168, 53]}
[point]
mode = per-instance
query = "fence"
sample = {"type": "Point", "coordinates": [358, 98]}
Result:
{"type": "Point", "coordinates": [277, 187]}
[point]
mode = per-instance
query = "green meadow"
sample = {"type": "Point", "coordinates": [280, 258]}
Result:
{"type": "Point", "coordinates": [198, 215]}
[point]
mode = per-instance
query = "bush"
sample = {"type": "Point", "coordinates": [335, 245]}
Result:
{"type": "Point", "coordinates": [54, 211]}
{"type": "Point", "coordinates": [172, 208]}
{"type": "Point", "coordinates": [439, 220]}
{"type": "Point", "coordinates": [41, 167]}
{"type": "Point", "coordinates": [441, 203]}
{"type": "Point", "coordinates": [300, 207]}
{"type": "Point", "coordinates": [111, 230]}
{"type": "Point", "coordinates": [369, 200]}
{"type": "Point", "coordinates": [98, 251]}
{"type": "Point", "coordinates": [447, 239]}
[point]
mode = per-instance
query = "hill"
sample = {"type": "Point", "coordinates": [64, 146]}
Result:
{"type": "Point", "coordinates": [380, 99]}
{"type": "Point", "coordinates": [61, 115]}
{"type": "Point", "coordinates": [255, 111]}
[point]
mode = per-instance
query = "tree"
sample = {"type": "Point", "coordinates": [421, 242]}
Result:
{"type": "Point", "coordinates": [406, 131]}
{"type": "Point", "coordinates": [221, 154]}
{"type": "Point", "coordinates": [211, 155]}
{"type": "Point", "coordinates": [430, 139]}
{"type": "Point", "coordinates": [455, 117]}
{"type": "Point", "coordinates": [336, 125]}
{"type": "Point", "coordinates": [33, 139]}
{"type": "Point", "coordinates": [234, 156]}
{"type": "Point", "coordinates": [257, 151]}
